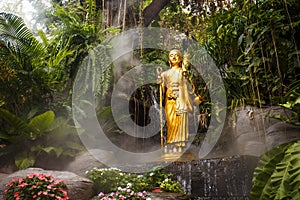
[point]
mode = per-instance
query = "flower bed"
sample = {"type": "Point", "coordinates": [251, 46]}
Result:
{"type": "Point", "coordinates": [36, 186]}
{"type": "Point", "coordinates": [112, 183]}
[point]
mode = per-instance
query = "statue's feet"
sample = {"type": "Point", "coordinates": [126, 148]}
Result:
{"type": "Point", "coordinates": [172, 149]}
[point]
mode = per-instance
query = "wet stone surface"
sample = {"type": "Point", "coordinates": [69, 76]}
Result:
{"type": "Point", "coordinates": [220, 178]}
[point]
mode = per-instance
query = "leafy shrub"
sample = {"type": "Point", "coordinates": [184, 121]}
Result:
{"type": "Point", "coordinates": [39, 136]}
{"type": "Point", "coordinates": [109, 180]}
{"type": "Point", "coordinates": [169, 185]}
{"type": "Point", "coordinates": [156, 176]}
{"type": "Point", "coordinates": [36, 186]}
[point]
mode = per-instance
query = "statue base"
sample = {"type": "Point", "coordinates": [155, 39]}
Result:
{"type": "Point", "coordinates": [180, 157]}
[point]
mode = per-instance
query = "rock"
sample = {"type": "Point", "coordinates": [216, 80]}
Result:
{"type": "Point", "coordinates": [79, 188]}
{"type": "Point", "coordinates": [168, 196]}
{"type": "Point", "coordinates": [280, 133]}
{"type": "Point", "coordinates": [216, 178]}
{"type": "Point", "coordinates": [85, 161]}
{"type": "Point", "coordinates": [7, 164]}
{"type": "Point", "coordinates": [253, 129]}
{"type": "Point", "coordinates": [2, 176]}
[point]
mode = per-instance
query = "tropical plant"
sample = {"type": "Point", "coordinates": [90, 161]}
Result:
{"type": "Point", "coordinates": [277, 175]}
{"type": "Point", "coordinates": [292, 104]}
{"type": "Point", "coordinates": [36, 186]}
{"type": "Point", "coordinates": [78, 28]}
{"type": "Point", "coordinates": [26, 140]}
{"type": "Point", "coordinates": [23, 75]}
{"type": "Point", "coordinates": [254, 45]}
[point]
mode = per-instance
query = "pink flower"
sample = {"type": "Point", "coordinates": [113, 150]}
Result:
{"type": "Point", "coordinates": [30, 175]}
{"type": "Point", "coordinates": [64, 192]}
{"type": "Point", "coordinates": [140, 194]}
{"type": "Point", "coordinates": [16, 195]}
{"type": "Point", "coordinates": [21, 185]}
{"type": "Point", "coordinates": [41, 177]}
{"type": "Point", "coordinates": [101, 194]}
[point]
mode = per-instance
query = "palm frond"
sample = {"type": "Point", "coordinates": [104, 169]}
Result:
{"type": "Point", "coordinates": [21, 44]}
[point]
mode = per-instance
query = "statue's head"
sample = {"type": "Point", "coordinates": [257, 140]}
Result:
{"type": "Point", "coordinates": [175, 57]}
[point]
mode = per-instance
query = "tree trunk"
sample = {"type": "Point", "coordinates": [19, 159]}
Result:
{"type": "Point", "coordinates": [151, 11]}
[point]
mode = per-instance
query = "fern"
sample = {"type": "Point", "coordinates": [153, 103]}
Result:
{"type": "Point", "coordinates": [277, 175]}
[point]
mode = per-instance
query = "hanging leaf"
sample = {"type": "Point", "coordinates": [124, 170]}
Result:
{"type": "Point", "coordinates": [42, 122]}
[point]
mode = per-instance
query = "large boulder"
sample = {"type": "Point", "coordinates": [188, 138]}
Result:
{"type": "Point", "coordinates": [79, 188]}
{"type": "Point", "coordinates": [168, 196]}
{"type": "Point", "coordinates": [280, 133]}
{"type": "Point", "coordinates": [254, 130]}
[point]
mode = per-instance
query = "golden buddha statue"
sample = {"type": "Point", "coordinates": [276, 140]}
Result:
{"type": "Point", "coordinates": [178, 98]}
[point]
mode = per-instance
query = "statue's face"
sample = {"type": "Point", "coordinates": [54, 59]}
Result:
{"type": "Point", "coordinates": [175, 57]}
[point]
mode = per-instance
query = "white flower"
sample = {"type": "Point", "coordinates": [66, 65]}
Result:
{"type": "Point", "coordinates": [151, 174]}
{"type": "Point", "coordinates": [129, 185]}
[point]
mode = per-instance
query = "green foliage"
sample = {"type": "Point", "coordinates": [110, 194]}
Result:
{"type": "Point", "coordinates": [22, 76]}
{"type": "Point", "coordinates": [277, 175]}
{"type": "Point", "coordinates": [169, 185]}
{"type": "Point", "coordinates": [293, 104]}
{"type": "Point", "coordinates": [156, 176]}
{"type": "Point", "coordinates": [36, 186]}
{"type": "Point", "coordinates": [78, 31]}
{"type": "Point", "coordinates": [30, 130]}
{"type": "Point", "coordinates": [254, 44]}
{"type": "Point", "coordinates": [105, 118]}
{"type": "Point", "coordinates": [17, 41]}
{"type": "Point", "coordinates": [27, 140]}
{"type": "Point", "coordinates": [109, 179]}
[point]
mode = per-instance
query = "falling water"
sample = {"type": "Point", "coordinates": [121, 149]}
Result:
{"type": "Point", "coordinates": [220, 178]}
